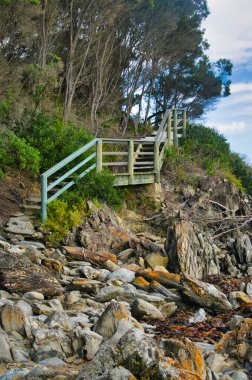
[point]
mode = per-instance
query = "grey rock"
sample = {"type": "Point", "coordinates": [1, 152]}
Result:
{"type": "Point", "coordinates": [52, 340]}
{"type": "Point", "coordinates": [199, 316]}
{"type": "Point", "coordinates": [94, 274]}
{"type": "Point", "coordinates": [15, 374]}
{"type": "Point", "coordinates": [204, 294]}
{"type": "Point", "coordinates": [136, 352]}
{"type": "Point", "coordinates": [235, 321]}
{"type": "Point", "coordinates": [168, 309]}
{"type": "Point", "coordinates": [126, 254]}
{"type": "Point", "coordinates": [219, 363]}
{"type": "Point", "coordinates": [25, 307]}
{"type": "Point", "coordinates": [123, 275]}
{"type": "Point", "coordinates": [5, 353]}
{"type": "Point", "coordinates": [239, 375]}
{"type": "Point", "coordinates": [114, 322]}
{"type": "Point", "coordinates": [249, 289]}
{"type": "Point", "coordinates": [189, 251]}
{"type": "Point", "coordinates": [142, 309]}
{"type": "Point", "coordinates": [56, 305]}
{"type": "Point", "coordinates": [4, 245]}
{"type": "Point", "coordinates": [92, 342]}
{"type": "Point", "coordinates": [243, 248]}
{"type": "Point", "coordinates": [53, 362]}
{"type": "Point", "coordinates": [19, 355]}
{"type": "Point", "coordinates": [13, 319]}
{"type": "Point", "coordinates": [72, 297]}
{"type": "Point", "coordinates": [34, 296]}
{"type": "Point", "coordinates": [41, 308]}
{"type": "Point", "coordinates": [85, 285]}
{"type": "Point", "coordinates": [111, 292]}
{"type": "Point", "coordinates": [112, 267]}
{"type": "Point", "coordinates": [205, 348]}
{"type": "Point", "coordinates": [4, 294]}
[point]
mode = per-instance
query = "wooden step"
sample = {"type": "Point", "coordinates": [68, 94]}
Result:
{"type": "Point", "coordinates": [144, 162]}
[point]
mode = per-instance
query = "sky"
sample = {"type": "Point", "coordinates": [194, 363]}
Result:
{"type": "Point", "coordinates": [228, 30]}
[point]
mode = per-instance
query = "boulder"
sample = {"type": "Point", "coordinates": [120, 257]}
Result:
{"type": "Point", "coordinates": [166, 279]}
{"type": "Point", "coordinates": [5, 352]}
{"type": "Point", "coordinates": [123, 275]}
{"type": "Point", "coordinates": [122, 293]}
{"type": "Point", "coordinates": [85, 285]}
{"type": "Point", "coordinates": [135, 356]}
{"type": "Point", "coordinates": [114, 322]}
{"type": "Point", "coordinates": [91, 343]}
{"type": "Point", "coordinates": [78, 253]}
{"type": "Point", "coordinates": [186, 354]}
{"type": "Point", "coordinates": [142, 309]}
{"type": "Point", "coordinates": [156, 259]}
{"type": "Point", "coordinates": [189, 251]}
{"type": "Point", "coordinates": [19, 275]}
{"type": "Point", "coordinates": [13, 319]}
{"type": "Point", "coordinates": [204, 294]}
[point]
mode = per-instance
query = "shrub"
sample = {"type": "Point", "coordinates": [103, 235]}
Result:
{"type": "Point", "coordinates": [62, 216]}
{"type": "Point", "coordinates": [17, 153]}
{"type": "Point", "coordinates": [54, 139]}
{"type": "Point", "coordinates": [211, 151]}
{"type": "Point", "coordinates": [101, 187]}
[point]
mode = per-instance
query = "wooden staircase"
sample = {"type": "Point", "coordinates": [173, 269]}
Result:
{"type": "Point", "coordinates": [131, 161]}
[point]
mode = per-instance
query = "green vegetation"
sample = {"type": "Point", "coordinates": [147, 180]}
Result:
{"type": "Point", "coordinates": [53, 138]}
{"type": "Point", "coordinates": [209, 150]}
{"type": "Point", "coordinates": [69, 211]}
{"type": "Point", "coordinates": [17, 153]}
{"type": "Point", "coordinates": [62, 216]}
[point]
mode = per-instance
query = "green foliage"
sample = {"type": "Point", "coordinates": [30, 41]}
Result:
{"type": "Point", "coordinates": [62, 216]}
{"type": "Point", "coordinates": [42, 81]}
{"type": "Point", "coordinates": [207, 145]}
{"type": "Point", "coordinates": [237, 181]}
{"type": "Point", "coordinates": [17, 153]}
{"type": "Point", "coordinates": [211, 151]}
{"type": "Point", "coordinates": [69, 211]}
{"type": "Point", "coordinates": [54, 139]}
{"type": "Point", "coordinates": [99, 186]}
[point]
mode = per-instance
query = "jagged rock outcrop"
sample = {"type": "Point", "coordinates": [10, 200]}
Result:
{"type": "Point", "coordinates": [189, 252]}
{"type": "Point", "coordinates": [19, 275]}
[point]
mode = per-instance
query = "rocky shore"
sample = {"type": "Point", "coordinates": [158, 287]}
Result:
{"type": "Point", "coordinates": [120, 301]}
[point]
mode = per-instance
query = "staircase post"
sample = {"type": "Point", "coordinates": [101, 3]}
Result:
{"type": "Point", "coordinates": [43, 198]}
{"type": "Point", "coordinates": [184, 124]}
{"type": "Point", "coordinates": [175, 129]}
{"type": "Point", "coordinates": [99, 156]}
{"type": "Point", "coordinates": [157, 161]}
{"type": "Point", "coordinates": [169, 128]}
{"type": "Point", "coordinates": [131, 161]}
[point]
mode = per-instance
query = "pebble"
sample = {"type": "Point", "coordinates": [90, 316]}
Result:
{"type": "Point", "coordinates": [34, 296]}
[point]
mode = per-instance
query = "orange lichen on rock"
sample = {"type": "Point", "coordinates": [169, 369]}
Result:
{"type": "Point", "coordinates": [141, 281]}
{"type": "Point", "coordinates": [187, 357]}
{"type": "Point", "coordinates": [119, 233]}
{"type": "Point", "coordinates": [166, 279]}
{"type": "Point", "coordinates": [132, 267]}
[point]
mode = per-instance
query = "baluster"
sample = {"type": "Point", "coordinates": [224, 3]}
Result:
{"type": "Point", "coordinates": [169, 128]}
{"type": "Point", "coordinates": [184, 124]}
{"type": "Point", "coordinates": [43, 198]}
{"type": "Point", "coordinates": [99, 156]}
{"type": "Point", "coordinates": [131, 161]}
{"type": "Point", "coordinates": [175, 129]}
{"type": "Point", "coordinates": [157, 161]}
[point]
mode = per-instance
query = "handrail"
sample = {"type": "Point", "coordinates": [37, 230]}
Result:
{"type": "Point", "coordinates": [44, 177]}
{"type": "Point", "coordinates": [135, 148]}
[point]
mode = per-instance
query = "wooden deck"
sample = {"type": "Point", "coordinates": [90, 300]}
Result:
{"type": "Point", "coordinates": [132, 161]}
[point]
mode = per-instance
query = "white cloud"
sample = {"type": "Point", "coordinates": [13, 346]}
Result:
{"type": "Point", "coordinates": [229, 30]}
{"type": "Point", "coordinates": [233, 127]}
{"type": "Point", "coordinates": [241, 87]}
